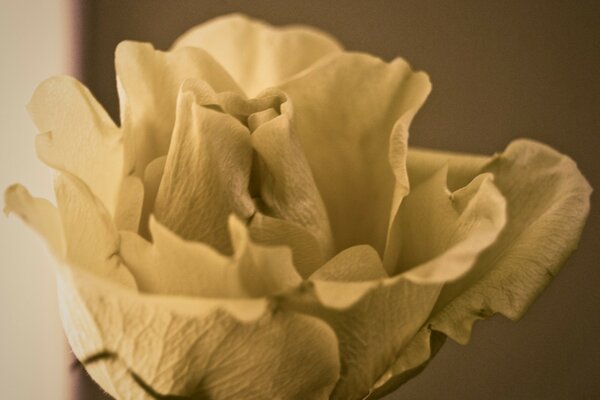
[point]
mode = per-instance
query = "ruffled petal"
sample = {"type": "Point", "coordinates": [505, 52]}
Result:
{"type": "Point", "coordinates": [78, 137]}
{"type": "Point", "coordinates": [547, 204]}
{"type": "Point", "coordinates": [256, 54]}
{"type": "Point", "coordinates": [376, 319]}
{"type": "Point", "coordinates": [143, 347]}
{"type": "Point", "coordinates": [345, 108]}
{"type": "Point", "coordinates": [148, 82]}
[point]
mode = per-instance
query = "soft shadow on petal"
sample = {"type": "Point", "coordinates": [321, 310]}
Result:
{"type": "Point", "coordinates": [180, 346]}
{"type": "Point", "coordinates": [344, 110]}
{"type": "Point", "coordinates": [376, 319]}
{"type": "Point", "coordinates": [284, 179]}
{"type": "Point", "coordinates": [547, 205]}
{"type": "Point", "coordinates": [79, 137]}
{"type": "Point", "coordinates": [257, 54]}
{"type": "Point", "coordinates": [148, 82]}
{"type": "Point", "coordinates": [206, 175]}
{"type": "Point", "coordinates": [173, 266]}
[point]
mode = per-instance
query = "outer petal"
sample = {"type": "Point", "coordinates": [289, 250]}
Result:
{"type": "Point", "coordinates": [41, 215]}
{"type": "Point", "coordinates": [375, 320]}
{"type": "Point", "coordinates": [149, 82]}
{"type": "Point", "coordinates": [142, 347]}
{"type": "Point", "coordinates": [547, 205]}
{"type": "Point", "coordinates": [79, 137]}
{"type": "Point", "coordinates": [345, 108]}
{"type": "Point", "coordinates": [256, 54]}
{"type": "Point", "coordinates": [92, 240]}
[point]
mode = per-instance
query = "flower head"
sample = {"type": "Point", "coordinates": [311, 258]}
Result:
{"type": "Point", "coordinates": [257, 227]}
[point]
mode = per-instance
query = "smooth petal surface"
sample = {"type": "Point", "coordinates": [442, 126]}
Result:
{"type": "Point", "coordinates": [344, 110]}
{"type": "Point", "coordinates": [547, 205]}
{"type": "Point", "coordinates": [78, 137]}
{"type": "Point", "coordinates": [256, 54]}
{"type": "Point", "coordinates": [41, 215]}
{"type": "Point", "coordinates": [206, 175]}
{"type": "Point", "coordinates": [135, 344]}
{"type": "Point", "coordinates": [148, 82]}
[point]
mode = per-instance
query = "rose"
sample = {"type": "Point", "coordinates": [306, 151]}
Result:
{"type": "Point", "coordinates": [215, 245]}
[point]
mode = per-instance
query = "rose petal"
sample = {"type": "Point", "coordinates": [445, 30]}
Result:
{"type": "Point", "coordinates": [41, 215]}
{"type": "Point", "coordinates": [92, 240]}
{"type": "Point", "coordinates": [375, 320]}
{"type": "Point", "coordinates": [174, 266]}
{"type": "Point", "coordinates": [79, 137]}
{"type": "Point", "coordinates": [148, 82]}
{"type": "Point", "coordinates": [188, 346]}
{"type": "Point", "coordinates": [344, 122]}
{"type": "Point", "coordinates": [285, 182]}
{"type": "Point", "coordinates": [206, 175]}
{"type": "Point", "coordinates": [547, 205]}
{"type": "Point", "coordinates": [256, 54]}
{"type": "Point", "coordinates": [306, 251]}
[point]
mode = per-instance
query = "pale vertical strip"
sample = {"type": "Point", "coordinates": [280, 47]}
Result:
{"type": "Point", "coordinates": [35, 43]}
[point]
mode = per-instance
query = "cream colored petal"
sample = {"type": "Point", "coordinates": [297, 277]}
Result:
{"type": "Point", "coordinates": [263, 270]}
{"type": "Point", "coordinates": [79, 137]}
{"type": "Point", "coordinates": [206, 175]}
{"type": "Point", "coordinates": [197, 348]}
{"type": "Point", "coordinates": [173, 266]}
{"type": "Point", "coordinates": [285, 183]}
{"type": "Point", "coordinates": [152, 177]}
{"type": "Point", "coordinates": [345, 109]}
{"type": "Point", "coordinates": [375, 320]}
{"type": "Point", "coordinates": [41, 215]}
{"type": "Point", "coordinates": [462, 168]}
{"type": "Point", "coordinates": [91, 238]}
{"type": "Point", "coordinates": [547, 205]}
{"type": "Point", "coordinates": [148, 82]}
{"type": "Point", "coordinates": [256, 54]}
{"type": "Point", "coordinates": [355, 264]}
{"type": "Point", "coordinates": [129, 204]}
{"type": "Point", "coordinates": [306, 250]}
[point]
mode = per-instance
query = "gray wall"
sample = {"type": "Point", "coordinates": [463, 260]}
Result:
{"type": "Point", "coordinates": [500, 70]}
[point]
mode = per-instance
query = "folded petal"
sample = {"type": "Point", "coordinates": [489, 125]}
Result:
{"type": "Point", "coordinates": [206, 175]}
{"type": "Point", "coordinates": [79, 137]}
{"type": "Point", "coordinates": [344, 111]}
{"type": "Point", "coordinates": [148, 82]}
{"type": "Point", "coordinates": [547, 205]}
{"type": "Point", "coordinates": [376, 319]}
{"type": "Point", "coordinates": [142, 347]}
{"type": "Point", "coordinates": [547, 202]}
{"type": "Point", "coordinates": [256, 54]}
{"type": "Point", "coordinates": [285, 182]}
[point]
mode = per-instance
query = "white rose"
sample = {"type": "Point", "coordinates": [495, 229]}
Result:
{"type": "Point", "coordinates": [257, 227]}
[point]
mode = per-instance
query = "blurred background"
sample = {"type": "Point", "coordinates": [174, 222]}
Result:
{"type": "Point", "coordinates": [500, 70]}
